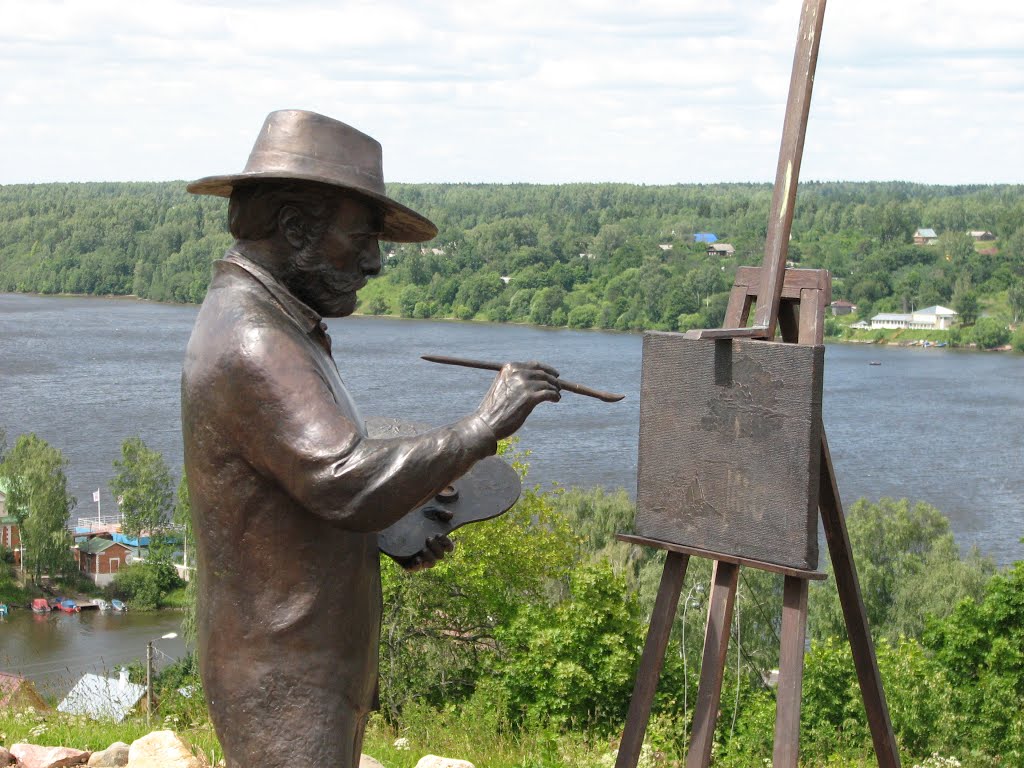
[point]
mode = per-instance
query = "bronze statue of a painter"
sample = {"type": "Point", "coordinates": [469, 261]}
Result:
{"type": "Point", "coordinates": [288, 492]}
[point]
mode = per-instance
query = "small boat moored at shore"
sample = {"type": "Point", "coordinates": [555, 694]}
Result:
{"type": "Point", "coordinates": [117, 605]}
{"type": "Point", "coordinates": [4, 610]}
{"type": "Point", "coordinates": [39, 605]}
{"type": "Point", "coordinates": [69, 606]}
{"type": "Point", "coordinates": [102, 604]}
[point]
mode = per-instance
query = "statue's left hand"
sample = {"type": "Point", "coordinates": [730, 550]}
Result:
{"type": "Point", "coordinates": [433, 550]}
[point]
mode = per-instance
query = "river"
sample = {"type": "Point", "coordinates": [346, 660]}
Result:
{"type": "Point", "coordinates": [936, 425]}
{"type": "Point", "coordinates": [54, 649]}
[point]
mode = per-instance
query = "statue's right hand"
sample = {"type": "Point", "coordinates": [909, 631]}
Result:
{"type": "Point", "coordinates": [516, 391]}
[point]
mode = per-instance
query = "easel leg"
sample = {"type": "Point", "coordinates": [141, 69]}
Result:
{"type": "Point", "coordinates": [716, 644]}
{"type": "Point", "coordinates": [856, 617]}
{"type": "Point", "coordinates": [651, 661]}
{"type": "Point", "coordinates": [791, 674]}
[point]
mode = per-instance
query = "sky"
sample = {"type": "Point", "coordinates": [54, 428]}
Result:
{"type": "Point", "coordinates": [553, 91]}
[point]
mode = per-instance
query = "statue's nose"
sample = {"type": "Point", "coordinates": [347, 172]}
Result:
{"type": "Point", "coordinates": [370, 262]}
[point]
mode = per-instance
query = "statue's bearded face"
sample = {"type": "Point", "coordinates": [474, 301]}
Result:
{"type": "Point", "coordinates": [333, 265]}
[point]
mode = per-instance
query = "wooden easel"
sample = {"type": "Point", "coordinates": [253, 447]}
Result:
{"type": "Point", "coordinates": [805, 294]}
{"type": "Point", "coordinates": [793, 301]}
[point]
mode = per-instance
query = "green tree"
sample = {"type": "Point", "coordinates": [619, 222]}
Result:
{"type": "Point", "coordinates": [1018, 339]}
{"type": "Point", "coordinates": [989, 333]}
{"type": "Point", "coordinates": [546, 302]}
{"type": "Point", "coordinates": [574, 664]}
{"type": "Point", "coordinates": [981, 646]}
{"type": "Point", "coordinates": [908, 566]}
{"type": "Point", "coordinates": [965, 302]}
{"type": "Point", "coordinates": [143, 488]}
{"type": "Point", "coordinates": [583, 316]}
{"type": "Point", "coordinates": [1015, 298]}
{"type": "Point", "coordinates": [438, 633]}
{"type": "Point", "coordinates": [37, 495]}
{"type": "Point", "coordinates": [378, 306]}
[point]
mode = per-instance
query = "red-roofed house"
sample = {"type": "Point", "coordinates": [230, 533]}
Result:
{"type": "Point", "coordinates": [100, 558]}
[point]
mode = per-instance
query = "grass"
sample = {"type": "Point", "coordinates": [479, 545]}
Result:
{"type": "Point", "coordinates": [176, 598]}
{"type": "Point", "coordinates": [469, 738]}
{"type": "Point", "coordinates": [80, 732]}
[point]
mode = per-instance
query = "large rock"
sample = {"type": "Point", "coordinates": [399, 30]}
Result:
{"type": "Point", "coordinates": [114, 756]}
{"type": "Point", "coordinates": [365, 761]}
{"type": "Point", "coordinates": [433, 761]}
{"type": "Point", "coordinates": [6, 758]}
{"type": "Point", "coordinates": [162, 749]}
{"type": "Point", "coordinates": [31, 756]}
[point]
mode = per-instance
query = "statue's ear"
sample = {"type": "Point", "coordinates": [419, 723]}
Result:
{"type": "Point", "coordinates": [292, 225]}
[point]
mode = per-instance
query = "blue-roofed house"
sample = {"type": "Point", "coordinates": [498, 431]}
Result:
{"type": "Point", "coordinates": [705, 237]}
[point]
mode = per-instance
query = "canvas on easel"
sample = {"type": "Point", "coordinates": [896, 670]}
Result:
{"type": "Point", "coordinates": [728, 452]}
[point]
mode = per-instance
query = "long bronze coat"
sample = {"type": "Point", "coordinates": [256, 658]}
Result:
{"type": "Point", "coordinates": [287, 494]}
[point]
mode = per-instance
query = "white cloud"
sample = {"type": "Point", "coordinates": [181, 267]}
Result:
{"type": "Point", "coordinates": [654, 91]}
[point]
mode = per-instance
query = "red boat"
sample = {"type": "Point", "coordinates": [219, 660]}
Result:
{"type": "Point", "coordinates": [39, 605]}
{"type": "Point", "coordinates": [69, 606]}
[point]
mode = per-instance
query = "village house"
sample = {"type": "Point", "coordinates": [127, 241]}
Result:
{"type": "Point", "coordinates": [16, 692]}
{"type": "Point", "coordinates": [931, 319]}
{"type": "Point", "coordinates": [100, 558]}
{"type": "Point", "coordinates": [843, 307]}
{"type": "Point", "coordinates": [925, 237]}
{"type": "Point", "coordinates": [704, 237]}
{"type": "Point", "coordinates": [665, 246]}
{"type": "Point", "coordinates": [10, 534]}
{"type": "Point", "coordinates": [981, 234]}
{"type": "Point", "coordinates": [721, 249]}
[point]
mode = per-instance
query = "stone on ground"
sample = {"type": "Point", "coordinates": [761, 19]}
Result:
{"type": "Point", "coordinates": [6, 758]}
{"type": "Point", "coordinates": [433, 761]}
{"type": "Point", "coordinates": [162, 749]}
{"type": "Point", "coordinates": [365, 761]}
{"type": "Point", "coordinates": [114, 756]}
{"type": "Point", "coordinates": [31, 756]}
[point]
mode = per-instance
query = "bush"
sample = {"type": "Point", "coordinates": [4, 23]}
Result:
{"type": "Point", "coordinates": [981, 645]}
{"type": "Point", "coordinates": [989, 333]}
{"type": "Point", "coordinates": [146, 584]}
{"type": "Point", "coordinates": [378, 306]}
{"type": "Point", "coordinates": [1017, 339]}
{"type": "Point", "coordinates": [573, 665]}
{"type": "Point", "coordinates": [687, 322]}
{"type": "Point", "coordinates": [584, 316]}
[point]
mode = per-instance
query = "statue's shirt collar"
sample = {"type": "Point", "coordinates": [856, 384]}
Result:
{"type": "Point", "coordinates": [297, 310]}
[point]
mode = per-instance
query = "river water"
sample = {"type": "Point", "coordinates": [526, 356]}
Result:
{"type": "Point", "coordinates": [936, 425]}
{"type": "Point", "coordinates": [55, 649]}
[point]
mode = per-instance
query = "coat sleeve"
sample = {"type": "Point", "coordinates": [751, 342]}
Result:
{"type": "Point", "coordinates": [291, 429]}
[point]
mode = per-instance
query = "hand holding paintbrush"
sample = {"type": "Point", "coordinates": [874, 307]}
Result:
{"type": "Point", "coordinates": [563, 385]}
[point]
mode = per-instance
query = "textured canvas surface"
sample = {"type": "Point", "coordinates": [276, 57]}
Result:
{"type": "Point", "coordinates": [730, 447]}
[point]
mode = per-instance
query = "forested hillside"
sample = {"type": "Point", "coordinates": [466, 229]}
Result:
{"type": "Point", "coordinates": [585, 255]}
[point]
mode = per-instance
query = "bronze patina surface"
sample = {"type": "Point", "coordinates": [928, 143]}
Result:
{"type": "Point", "coordinates": [288, 492]}
{"type": "Point", "coordinates": [729, 436]}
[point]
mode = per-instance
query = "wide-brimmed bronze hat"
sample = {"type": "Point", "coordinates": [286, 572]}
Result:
{"type": "Point", "coordinates": [295, 144]}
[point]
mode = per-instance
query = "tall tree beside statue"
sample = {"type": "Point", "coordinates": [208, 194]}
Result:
{"type": "Point", "coordinates": [33, 473]}
{"type": "Point", "coordinates": [144, 489]}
